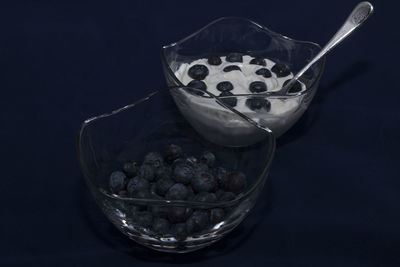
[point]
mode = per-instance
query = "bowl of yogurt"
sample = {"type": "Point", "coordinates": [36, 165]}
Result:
{"type": "Point", "coordinates": [239, 62]}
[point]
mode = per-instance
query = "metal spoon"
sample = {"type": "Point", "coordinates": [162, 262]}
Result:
{"type": "Point", "coordinates": [357, 17]}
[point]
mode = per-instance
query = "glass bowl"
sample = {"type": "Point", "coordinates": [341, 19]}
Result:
{"type": "Point", "coordinates": [108, 141]}
{"type": "Point", "coordinates": [226, 35]}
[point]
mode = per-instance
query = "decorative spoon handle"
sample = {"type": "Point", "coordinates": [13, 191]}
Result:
{"type": "Point", "coordinates": [357, 17]}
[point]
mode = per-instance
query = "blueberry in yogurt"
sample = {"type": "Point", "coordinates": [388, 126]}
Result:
{"type": "Point", "coordinates": [198, 72]}
{"type": "Point", "coordinates": [258, 61]}
{"type": "Point", "coordinates": [225, 86]}
{"type": "Point", "coordinates": [234, 57]}
{"type": "Point", "coordinates": [200, 85]}
{"type": "Point", "coordinates": [257, 103]}
{"type": "Point", "coordinates": [296, 87]}
{"type": "Point", "coordinates": [257, 87]}
{"type": "Point", "coordinates": [231, 101]}
{"type": "Point", "coordinates": [264, 72]}
{"type": "Point", "coordinates": [281, 70]}
{"type": "Point", "coordinates": [231, 68]}
{"type": "Point", "coordinates": [214, 60]}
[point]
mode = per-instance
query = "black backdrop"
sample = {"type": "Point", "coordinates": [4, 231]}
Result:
{"type": "Point", "coordinates": [333, 194]}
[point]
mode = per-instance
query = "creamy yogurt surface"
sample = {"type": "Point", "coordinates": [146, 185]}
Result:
{"type": "Point", "coordinates": [241, 80]}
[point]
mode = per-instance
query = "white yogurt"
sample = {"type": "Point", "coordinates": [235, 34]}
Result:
{"type": "Point", "coordinates": [279, 115]}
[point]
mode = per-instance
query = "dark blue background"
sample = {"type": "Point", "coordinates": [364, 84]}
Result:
{"type": "Point", "coordinates": [333, 196]}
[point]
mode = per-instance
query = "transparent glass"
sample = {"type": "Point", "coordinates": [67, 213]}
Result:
{"type": "Point", "coordinates": [107, 141]}
{"type": "Point", "coordinates": [226, 35]}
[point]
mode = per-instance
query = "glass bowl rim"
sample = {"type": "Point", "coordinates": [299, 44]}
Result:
{"type": "Point", "coordinates": [151, 201]}
{"type": "Point", "coordinates": [276, 34]}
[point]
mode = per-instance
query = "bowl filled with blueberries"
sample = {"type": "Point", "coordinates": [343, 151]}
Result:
{"type": "Point", "coordinates": [239, 61]}
{"type": "Point", "coordinates": [161, 182]}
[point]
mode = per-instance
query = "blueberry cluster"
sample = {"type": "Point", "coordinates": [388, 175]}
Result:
{"type": "Point", "coordinates": [199, 72]}
{"type": "Point", "coordinates": [171, 175]}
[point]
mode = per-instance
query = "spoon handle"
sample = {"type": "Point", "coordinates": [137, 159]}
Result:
{"type": "Point", "coordinates": [357, 17]}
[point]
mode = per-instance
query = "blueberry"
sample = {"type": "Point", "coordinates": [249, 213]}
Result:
{"type": "Point", "coordinates": [163, 172]}
{"type": "Point", "coordinates": [183, 173]}
{"type": "Point", "coordinates": [123, 193]}
{"type": "Point", "coordinates": [219, 193]}
{"type": "Point", "coordinates": [257, 87]}
{"type": "Point", "coordinates": [225, 86]}
{"type": "Point", "coordinates": [214, 60]}
{"type": "Point", "coordinates": [163, 185]}
{"type": "Point", "coordinates": [147, 172]}
{"type": "Point", "coordinates": [141, 194]}
{"type": "Point", "coordinates": [130, 168]}
{"type": "Point", "coordinates": [179, 231]}
{"type": "Point", "coordinates": [191, 160]}
{"type": "Point", "coordinates": [200, 85]}
{"type": "Point", "coordinates": [281, 70]}
{"type": "Point", "coordinates": [236, 182]}
{"type": "Point", "coordinates": [143, 218]}
{"type": "Point", "coordinates": [217, 215]}
{"type": "Point", "coordinates": [172, 152]}
{"type": "Point", "coordinates": [257, 103]}
{"type": "Point", "coordinates": [178, 214]}
{"type": "Point", "coordinates": [198, 221]}
{"type": "Point", "coordinates": [230, 101]}
{"type": "Point", "coordinates": [258, 61]}
{"type": "Point", "coordinates": [177, 192]}
{"type": "Point", "coordinates": [198, 72]}
{"type": "Point", "coordinates": [296, 87]}
{"type": "Point", "coordinates": [200, 167]}
{"type": "Point", "coordinates": [191, 193]}
{"type": "Point", "coordinates": [117, 181]}
{"type": "Point", "coordinates": [137, 184]}
{"type": "Point", "coordinates": [220, 174]}
{"type": "Point", "coordinates": [208, 158]}
{"type": "Point", "coordinates": [205, 197]}
{"type": "Point", "coordinates": [231, 68]}
{"type": "Point", "coordinates": [204, 181]}
{"type": "Point", "coordinates": [264, 72]}
{"type": "Point", "coordinates": [153, 191]}
{"type": "Point", "coordinates": [154, 159]}
{"type": "Point", "coordinates": [134, 209]}
{"type": "Point", "coordinates": [160, 211]}
{"type": "Point", "coordinates": [234, 57]}
{"type": "Point", "coordinates": [160, 226]}
{"type": "Point", "coordinates": [227, 196]}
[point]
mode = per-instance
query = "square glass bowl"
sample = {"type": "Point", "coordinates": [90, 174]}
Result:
{"type": "Point", "coordinates": [107, 141]}
{"type": "Point", "coordinates": [226, 35]}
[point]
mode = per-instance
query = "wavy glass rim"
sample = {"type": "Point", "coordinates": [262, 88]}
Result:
{"type": "Point", "coordinates": [172, 74]}
{"type": "Point", "coordinates": [150, 201]}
